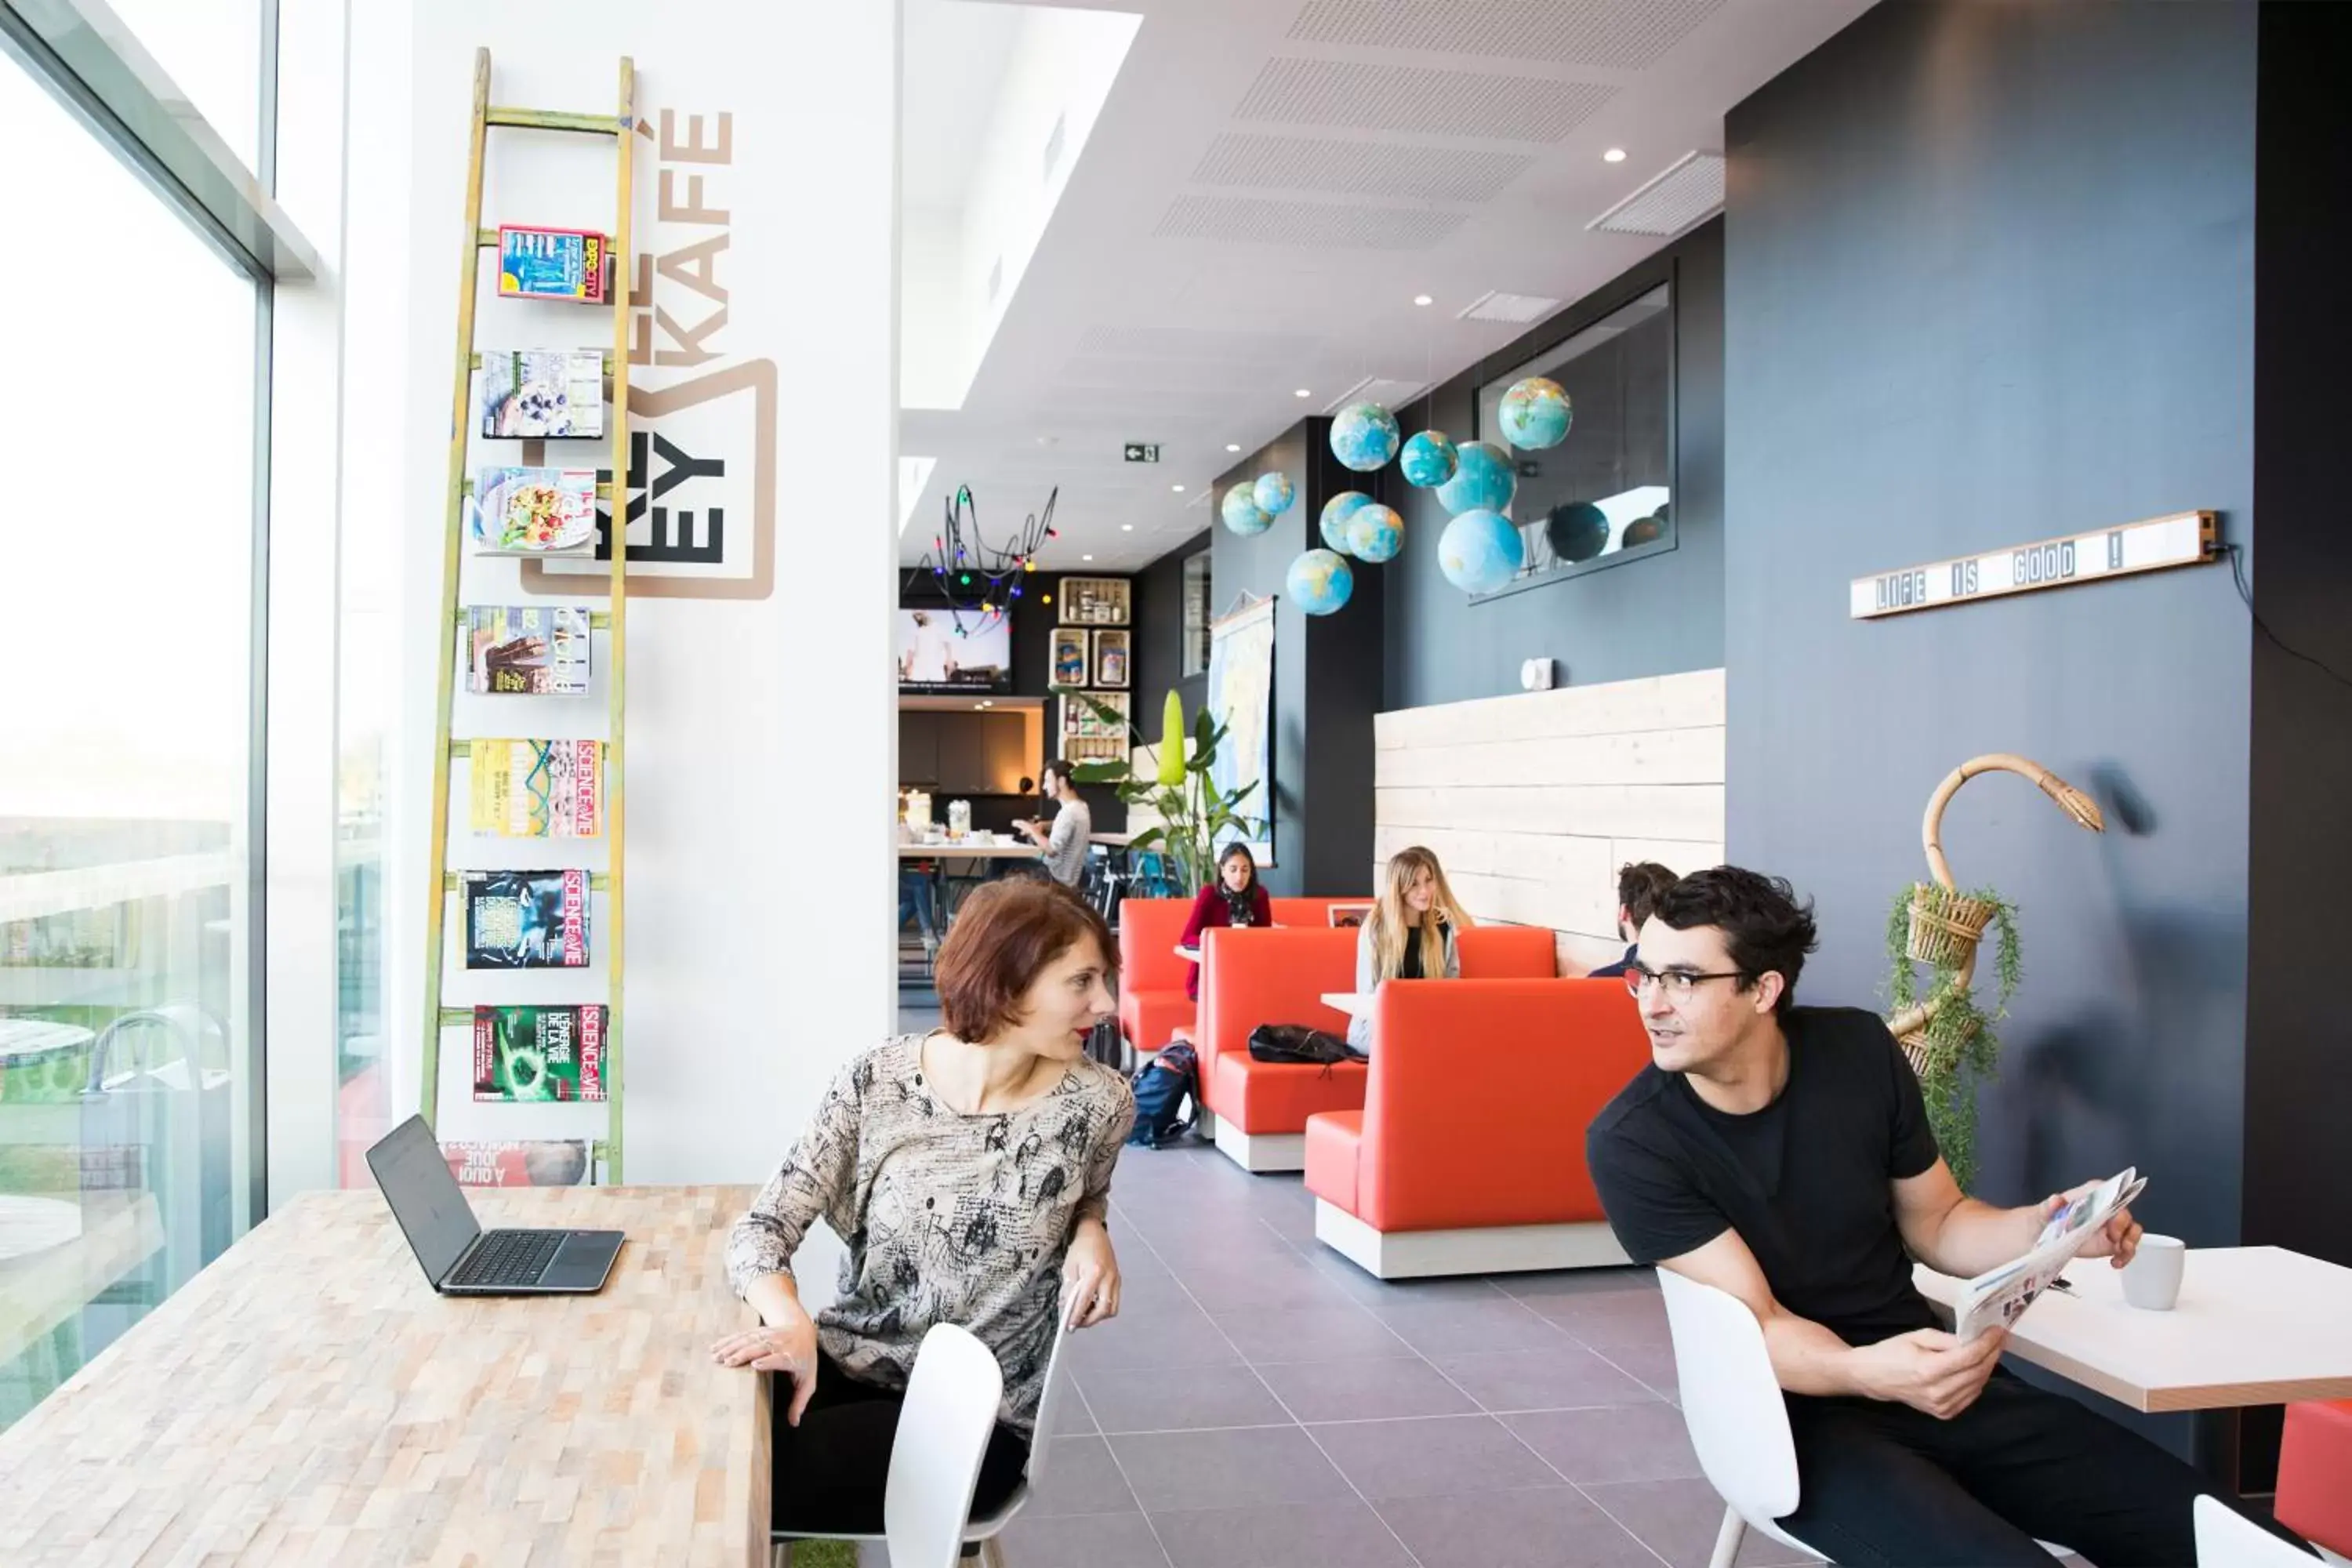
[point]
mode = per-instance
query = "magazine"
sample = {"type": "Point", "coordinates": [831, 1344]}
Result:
{"type": "Point", "coordinates": [572, 264]}
{"type": "Point", "coordinates": [526, 919]}
{"type": "Point", "coordinates": [539, 1053]}
{"type": "Point", "coordinates": [527, 649]}
{"type": "Point", "coordinates": [1998, 1299]}
{"type": "Point", "coordinates": [525, 1163]}
{"type": "Point", "coordinates": [538, 789]}
{"type": "Point", "coordinates": [532, 511]}
{"type": "Point", "coordinates": [542, 393]}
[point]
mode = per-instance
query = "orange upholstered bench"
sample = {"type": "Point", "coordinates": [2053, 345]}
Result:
{"type": "Point", "coordinates": [1280, 976]}
{"type": "Point", "coordinates": [1152, 1002]}
{"type": "Point", "coordinates": [2314, 1474]}
{"type": "Point", "coordinates": [1277, 975]}
{"type": "Point", "coordinates": [1468, 1155]}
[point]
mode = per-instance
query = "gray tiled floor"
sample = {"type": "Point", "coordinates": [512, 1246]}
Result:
{"type": "Point", "coordinates": [1260, 1401]}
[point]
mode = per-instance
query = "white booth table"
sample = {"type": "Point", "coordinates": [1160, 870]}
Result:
{"type": "Point", "coordinates": [2255, 1325]}
{"type": "Point", "coordinates": [1355, 1003]}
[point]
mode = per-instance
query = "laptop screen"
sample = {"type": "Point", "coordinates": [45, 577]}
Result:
{"type": "Point", "coordinates": [425, 1197]}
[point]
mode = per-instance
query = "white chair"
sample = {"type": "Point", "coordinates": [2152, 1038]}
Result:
{"type": "Point", "coordinates": [2227, 1539]}
{"type": "Point", "coordinates": [1732, 1407]}
{"type": "Point", "coordinates": [980, 1532]}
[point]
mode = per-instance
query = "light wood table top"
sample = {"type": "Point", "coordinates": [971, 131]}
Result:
{"type": "Point", "coordinates": [308, 1399]}
{"type": "Point", "coordinates": [970, 851]}
{"type": "Point", "coordinates": [2255, 1325]}
{"type": "Point", "coordinates": [1355, 1003]}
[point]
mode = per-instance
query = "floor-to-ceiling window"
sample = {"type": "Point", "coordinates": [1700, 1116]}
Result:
{"type": "Point", "coordinates": [128, 1046]}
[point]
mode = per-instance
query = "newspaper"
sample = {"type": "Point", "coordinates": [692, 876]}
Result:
{"type": "Point", "coordinates": [1998, 1299]}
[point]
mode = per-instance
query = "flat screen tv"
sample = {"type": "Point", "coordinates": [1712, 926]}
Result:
{"type": "Point", "coordinates": [941, 649]}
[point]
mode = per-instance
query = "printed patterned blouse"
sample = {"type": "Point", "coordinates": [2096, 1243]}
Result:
{"type": "Point", "coordinates": [949, 1218]}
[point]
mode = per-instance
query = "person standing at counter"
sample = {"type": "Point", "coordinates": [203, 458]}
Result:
{"type": "Point", "coordinates": [1411, 933]}
{"type": "Point", "coordinates": [969, 1169]}
{"type": "Point", "coordinates": [1073, 829]}
{"type": "Point", "coordinates": [1236, 899]}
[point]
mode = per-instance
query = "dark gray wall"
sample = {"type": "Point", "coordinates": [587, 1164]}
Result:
{"type": "Point", "coordinates": [1327, 673]}
{"type": "Point", "coordinates": [1989, 278]}
{"type": "Point", "coordinates": [1160, 636]}
{"type": "Point", "coordinates": [1657, 615]}
{"type": "Point", "coordinates": [2298, 1095]}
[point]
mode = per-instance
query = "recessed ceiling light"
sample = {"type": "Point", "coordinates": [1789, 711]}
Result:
{"type": "Point", "coordinates": [1049, 440]}
{"type": "Point", "coordinates": [1423, 300]}
{"type": "Point", "coordinates": [1302, 391]}
{"type": "Point", "coordinates": [1233, 446]}
{"type": "Point", "coordinates": [1129, 527]}
{"type": "Point", "coordinates": [1615, 155]}
{"type": "Point", "coordinates": [1178, 488]}
{"type": "Point", "coordinates": [1086, 558]}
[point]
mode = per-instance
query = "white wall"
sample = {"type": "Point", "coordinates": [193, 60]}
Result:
{"type": "Point", "coordinates": [762, 742]}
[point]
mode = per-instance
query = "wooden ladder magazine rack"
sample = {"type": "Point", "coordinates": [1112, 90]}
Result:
{"type": "Point", "coordinates": [446, 882]}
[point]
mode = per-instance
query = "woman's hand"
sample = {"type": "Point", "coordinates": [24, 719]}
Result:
{"type": "Point", "coordinates": [788, 1346]}
{"type": "Point", "coordinates": [1091, 1277]}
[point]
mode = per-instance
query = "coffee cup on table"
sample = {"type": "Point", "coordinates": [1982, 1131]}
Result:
{"type": "Point", "coordinates": [2152, 1279]}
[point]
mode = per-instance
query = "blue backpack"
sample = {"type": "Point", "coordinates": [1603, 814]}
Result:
{"type": "Point", "coordinates": [1160, 1090]}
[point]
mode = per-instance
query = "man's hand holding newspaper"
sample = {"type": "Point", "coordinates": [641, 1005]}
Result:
{"type": "Point", "coordinates": [2093, 1220]}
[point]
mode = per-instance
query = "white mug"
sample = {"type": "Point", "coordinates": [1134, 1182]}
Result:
{"type": "Point", "coordinates": [2152, 1279]}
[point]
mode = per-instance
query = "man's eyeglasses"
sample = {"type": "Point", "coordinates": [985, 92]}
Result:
{"type": "Point", "coordinates": [1677, 984]}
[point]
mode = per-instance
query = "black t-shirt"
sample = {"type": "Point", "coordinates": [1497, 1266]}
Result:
{"type": "Point", "coordinates": [1805, 1180]}
{"type": "Point", "coordinates": [1410, 968]}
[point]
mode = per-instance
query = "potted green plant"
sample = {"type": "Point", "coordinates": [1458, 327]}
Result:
{"type": "Point", "coordinates": [1948, 1036]}
{"type": "Point", "coordinates": [1192, 811]}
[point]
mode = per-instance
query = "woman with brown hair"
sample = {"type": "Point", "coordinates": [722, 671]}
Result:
{"type": "Point", "coordinates": [969, 1172]}
{"type": "Point", "coordinates": [1410, 932]}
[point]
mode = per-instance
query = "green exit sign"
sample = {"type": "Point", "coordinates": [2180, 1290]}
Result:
{"type": "Point", "coordinates": [1143, 451]}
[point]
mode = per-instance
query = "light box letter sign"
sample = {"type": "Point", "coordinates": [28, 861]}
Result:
{"type": "Point", "coordinates": [2183, 539]}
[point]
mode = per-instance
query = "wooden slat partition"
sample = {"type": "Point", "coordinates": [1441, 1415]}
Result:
{"type": "Point", "coordinates": [1532, 802]}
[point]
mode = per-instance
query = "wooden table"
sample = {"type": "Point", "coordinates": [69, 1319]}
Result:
{"type": "Point", "coordinates": [308, 1399]}
{"type": "Point", "coordinates": [2255, 1325]}
{"type": "Point", "coordinates": [970, 851]}
{"type": "Point", "coordinates": [1355, 1003]}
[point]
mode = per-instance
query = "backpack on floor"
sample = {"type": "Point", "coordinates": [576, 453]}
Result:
{"type": "Point", "coordinates": [1160, 1091]}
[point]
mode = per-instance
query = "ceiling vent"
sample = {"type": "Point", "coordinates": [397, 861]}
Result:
{"type": "Point", "coordinates": [1517, 309]}
{"type": "Point", "coordinates": [1621, 35]}
{"type": "Point", "coordinates": [1054, 146]}
{"type": "Point", "coordinates": [1690, 189]}
{"type": "Point", "coordinates": [1389, 394]}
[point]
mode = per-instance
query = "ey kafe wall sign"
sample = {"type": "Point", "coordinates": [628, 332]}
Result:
{"type": "Point", "coordinates": [2183, 539]}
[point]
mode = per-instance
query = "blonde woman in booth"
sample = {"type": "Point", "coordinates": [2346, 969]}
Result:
{"type": "Point", "coordinates": [1411, 933]}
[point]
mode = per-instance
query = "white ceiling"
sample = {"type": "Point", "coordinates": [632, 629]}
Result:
{"type": "Point", "coordinates": [954, 66]}
{"type": "Point", "coordinates": [1269, 185]}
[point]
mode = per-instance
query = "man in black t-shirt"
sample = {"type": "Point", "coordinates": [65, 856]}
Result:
{"type": "Point", "coordinates": [1782, 1155]}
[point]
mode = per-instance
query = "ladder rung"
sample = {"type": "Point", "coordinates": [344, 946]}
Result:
{"type": "Point", "coordinates": [451, 881]}
{"type": "Point", "coordinates": [598, 620]}
{"type": "Point", "coordinates": [607, 355]}
{"type": "Point", "coordinates": [603, 487]}
{"type": "Point", "coordinates": [555, 120]}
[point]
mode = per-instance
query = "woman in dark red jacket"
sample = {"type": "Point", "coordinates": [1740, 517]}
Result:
{"type": "Point", "coordinates": [1234, 899]}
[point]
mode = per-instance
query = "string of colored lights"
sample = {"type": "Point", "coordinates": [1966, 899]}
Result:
{"type": "Point", "coordinates": [977, 578]}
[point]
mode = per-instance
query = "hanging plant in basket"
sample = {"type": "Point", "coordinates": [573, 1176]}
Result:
{"type": "Point", "coordinates": [1954, 1048]}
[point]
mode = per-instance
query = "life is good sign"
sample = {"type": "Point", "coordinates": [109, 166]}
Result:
{"type": "Point", "coordinates": [2181, 539]}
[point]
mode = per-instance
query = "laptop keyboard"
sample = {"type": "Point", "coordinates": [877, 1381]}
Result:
{"type": "Point", "coordinates": [508, 1257]}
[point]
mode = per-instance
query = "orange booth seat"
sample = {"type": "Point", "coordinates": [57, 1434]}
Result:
{"type": "Point", "coordinates": [1310, 912]}
{"type": "Point", "coordinates": [1468, 1155]}
{"type": "Point", "coordinates": [1280, 975]}
{"type": "Point", "coordinates": [2314, 1475]}
{"type": "Point", "coordinates": [1152, 1002]}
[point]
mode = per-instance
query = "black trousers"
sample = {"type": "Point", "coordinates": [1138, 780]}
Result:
{"type": "Point", "coordinates": [1885, 1486]}
{"type": "Point", "coordinates": [831, 1469]}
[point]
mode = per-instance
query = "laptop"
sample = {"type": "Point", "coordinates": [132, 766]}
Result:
{"type": "Point", "coordinates": [459, 1255]}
